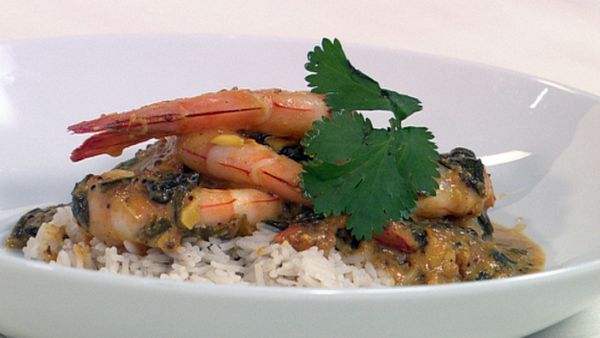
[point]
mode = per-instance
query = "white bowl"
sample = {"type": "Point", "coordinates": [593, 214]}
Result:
{"type": "Point", "coordinates": [548, 180]}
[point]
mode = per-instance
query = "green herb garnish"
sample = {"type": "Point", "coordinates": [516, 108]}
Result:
{"type": "Point", "coordinates": [371, 175]}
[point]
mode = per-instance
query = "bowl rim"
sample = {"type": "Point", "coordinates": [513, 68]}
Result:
{"type": "Point", "coordinates": [295, 40]}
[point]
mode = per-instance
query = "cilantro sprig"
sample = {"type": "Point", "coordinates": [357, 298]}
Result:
{"type": "Point", "coordinates": [371, 175]}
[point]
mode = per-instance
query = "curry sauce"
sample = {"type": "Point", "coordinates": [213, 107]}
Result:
{"type": "Point", "coordinates": [457, 253]}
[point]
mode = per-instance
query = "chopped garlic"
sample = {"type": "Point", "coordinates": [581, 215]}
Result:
{"type": "Point", "coordinates": [228, 140]}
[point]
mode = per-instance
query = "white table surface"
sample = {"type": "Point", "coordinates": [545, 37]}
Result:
{"type": "Point", "coordinates": [552, 39]}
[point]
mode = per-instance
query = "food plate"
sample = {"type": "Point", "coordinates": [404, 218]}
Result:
{"type": "Point", "coordinates": [537, 138]}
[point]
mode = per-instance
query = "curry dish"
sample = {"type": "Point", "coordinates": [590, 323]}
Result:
{"type": "Point", "coordinates": [144, 200]}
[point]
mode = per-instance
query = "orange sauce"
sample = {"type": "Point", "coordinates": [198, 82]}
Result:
{"type": "Point", "coordinates": [459, 253]}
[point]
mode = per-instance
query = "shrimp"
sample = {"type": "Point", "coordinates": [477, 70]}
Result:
{"type": "Point", "coordinates": [228, 156]}
{"type": "Point", "coordinates": [455, 198]}
{"type": "Point", "coordinates": [231, 157]}
{"type": "Point", "coordinates": [140, 204]}
{"type": "Point", "coordinates": [465, 188]}
{"type": "Point", "coordinates": [273, 111]}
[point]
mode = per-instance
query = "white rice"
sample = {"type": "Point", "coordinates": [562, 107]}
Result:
{"type": "Point", "coordinates": [246, 260]}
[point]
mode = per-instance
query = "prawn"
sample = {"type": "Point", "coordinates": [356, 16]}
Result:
{"type": "Point", "coordinates": [150, 201]}
{"type": "Point", "coordinates": [231, 157]}
{"type": "Point", "coordinates": [272, 111]}
{"type": "Point", "coordinates": [455, 198]}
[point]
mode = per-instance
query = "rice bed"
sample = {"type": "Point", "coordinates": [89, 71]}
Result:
{"type": "Point", "coordinates": [251, 260]}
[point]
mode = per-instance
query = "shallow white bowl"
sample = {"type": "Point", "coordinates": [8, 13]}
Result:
{"type": "Point", "coordinates": [551, 185]}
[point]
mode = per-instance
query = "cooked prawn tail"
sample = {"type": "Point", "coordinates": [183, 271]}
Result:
{"type": "Point", "coordinates": [107, 142]}
{"type": "Point", "coordinates": [207, 111]}
{"type": "Point", "coordinates": [104, 122]}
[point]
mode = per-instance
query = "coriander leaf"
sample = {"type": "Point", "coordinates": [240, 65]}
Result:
{"type": "Point", "coordinates": [402, 105]}
{"type": "Point", "coordinates": [417, 158]}
{"type": "Point", "coordinates": [370, 175]}
{"type": "Point", "coordinates": [380, 178]}
{"type": "Point", "coordinates": [325, 140]}
{"type": "Point", "coordinates": [347, 88]}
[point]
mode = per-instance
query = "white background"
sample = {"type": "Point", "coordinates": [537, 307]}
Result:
{"type": "Point", "coordinates": [555, 40]}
